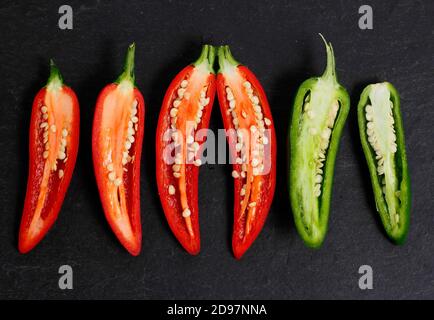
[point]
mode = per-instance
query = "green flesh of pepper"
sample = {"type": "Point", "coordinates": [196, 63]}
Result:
{"type": "Point", "coordinates": [320, 109]}
{"type": "Point", "coordinates": [382, 137]}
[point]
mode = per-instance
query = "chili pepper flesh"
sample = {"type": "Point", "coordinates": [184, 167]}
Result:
{"type": "Point", "coordinates": [117, 142]}
{"type": "Point", "coordinates": [252, 141]}
{"type": "Point", "coordinates": [382, 136]}
{"type": "Point", "coordinates": [53, 150]}
{"type": "Point", "coordinates": [320, 109]}
{"type": "Point", "coordinates": [186, 110]}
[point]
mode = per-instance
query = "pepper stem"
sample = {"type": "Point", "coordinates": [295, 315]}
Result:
{"type": "Point", "coordinates": [207, 57]}
{"type": "Point", "coordinates": [330, 70]}
{"type": "Point", "coordinates": [128, 71]}
{"type": "Point", "coordinates": [55, 79]}
{"type": "Point", "coordinates": [226, 60]}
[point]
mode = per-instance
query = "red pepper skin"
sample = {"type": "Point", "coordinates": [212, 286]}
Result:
{"type": "Point", "coordinates": [35, 223]}
{"type": "Point", "coordinates": [171, 203]}
{"type": "Point", "coordinates": [121, 203]}
{"type": "Point", "coordinates": [240, 240]}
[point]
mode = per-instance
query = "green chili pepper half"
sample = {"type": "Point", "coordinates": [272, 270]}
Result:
{"type": "Point", "coordinates": [320, 109]}
{"type": "Point", "coordinates": [382, 136]}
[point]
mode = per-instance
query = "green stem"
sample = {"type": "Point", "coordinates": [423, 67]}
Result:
{"type": "Point", "coordinates": [55, 79]}
{"type": "Point", "coordinates": [128, 72]}
{"type": "Point", "coordinates": [330, 70]}
{"type": "Point", "coordinates": [226, 59]}
{"type": "Point", "coordinates": [207, 56]}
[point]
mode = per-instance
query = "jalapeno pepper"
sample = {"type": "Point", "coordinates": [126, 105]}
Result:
{"type": "Point", "coordinates": [54, 135]}
{"type": "Point", "coordinates": [320, 109]}
{"type": "Point", "coordinates": [382, 136]}
{"type": "Point", "coordinates": [186, 109]}
{"type": "Point", "coordinates": [252, 142]}
{"type": "Point", "coordinates": [116, 148]}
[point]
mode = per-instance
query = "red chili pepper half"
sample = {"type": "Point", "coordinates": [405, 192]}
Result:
{"type": "Point", "coordinates": [116, 148]}
{"type": "Point", "coordinates": [54, 135]}
{"type": "Point", "coordinates": [252, 142]}
{"type": "Point", "coordinates": [186, 109]}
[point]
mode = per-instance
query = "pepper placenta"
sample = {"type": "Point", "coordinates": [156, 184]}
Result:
{"type": "Point", "coordinates": [320, 109]}
{"type": "Point", "coordinates": [382, 137]}
{"type": "Point", "coordinates": [186, 109]}
{"type": "Point", "coordinates": [252, 142]}
{"type": "Point", "coordinates": [53, 146]}
{"type": "Point", "coordinates": [117, 137]}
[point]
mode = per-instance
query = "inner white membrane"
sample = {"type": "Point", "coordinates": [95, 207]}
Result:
{"type": "Point", "coordinates": [319, 113]}
{"type": "Point", "coordinates": [382, 138]}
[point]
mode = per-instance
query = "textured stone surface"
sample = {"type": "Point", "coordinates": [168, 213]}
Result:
{"type": "Point", "coordinates": [279, 42]}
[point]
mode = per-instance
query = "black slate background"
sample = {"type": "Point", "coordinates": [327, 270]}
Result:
{"type": "Point", "coordinates": [278, 40]}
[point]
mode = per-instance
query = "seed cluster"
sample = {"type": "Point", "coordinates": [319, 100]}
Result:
{"type": "Point", "coordinates": [176, 136]}
{"type": "Point", "coordinates": [257, 132]}
{"type": "Point", "coordinates": [380, 155]}
{"type": "Point", "coordinates": [324, 137]}
{"type": "Point", "coordinates": [382, 138]}
{"type": "Point", "coordinates": [192, 146]}
{"type": "Point", "coordinates": [126, 157]}
{"type": "Point", "coordinates": [47, 128]}
{"type": "Point", "coordinates": [373, 136]}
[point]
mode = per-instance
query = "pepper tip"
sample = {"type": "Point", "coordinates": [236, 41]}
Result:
{"type": "Point", "coordinates": [330, 70]}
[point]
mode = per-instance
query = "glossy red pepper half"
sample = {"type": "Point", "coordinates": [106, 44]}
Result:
{"type": "Point", "coordinates": [186, 109]}
{"type": "Point", "coordinates": [53, 146]}
{"type": "Point", "coordinates": [117, 137]}
{"type": "Point", "coordinates": [252, 142]}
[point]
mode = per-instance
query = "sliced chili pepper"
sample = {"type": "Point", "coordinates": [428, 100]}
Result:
{"type": "Point", "coordinates": [320, 109]}
{"type": "Point", "coordinates": [54, 135]}
{"type": "Point", "coordinates": [252, 142]}
{"type": "Point", "coordinates": [382, 136]}
{"type": "Point", "coordinates": [117, 146]}
{"type": "Point", "coordinates": [186, 109]}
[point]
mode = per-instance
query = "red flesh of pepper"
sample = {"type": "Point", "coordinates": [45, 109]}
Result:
{"type": "Point", "coordinates": [246, 111]}
{"type": "Point", "coordinates": [186, 109]}
{"type": "Point", "coordinates": [116, 148]}
{"type": "Point", "coordinates": [54, 135]}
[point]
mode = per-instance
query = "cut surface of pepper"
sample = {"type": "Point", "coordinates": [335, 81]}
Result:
{"type": "Point", "coordinates": [252, 141]}
{"type": "Point", "coordinates": [320, 109]}
{"type": "Point", "coordinates": [186, 109]}
{"type": "Point", "coordinates": [116, 148]}
{"type": "Point", "coordinates": [382, 137]}
{"type": "Point", "coordinates": [53, 146]}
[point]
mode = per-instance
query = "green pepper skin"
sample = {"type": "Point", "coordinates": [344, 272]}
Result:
{"type": "Point", "coordinates": [313, 233]}
{"type": "Point", "coordinates": [397, 234]}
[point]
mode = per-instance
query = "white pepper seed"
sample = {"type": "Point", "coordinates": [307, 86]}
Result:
{"type": "Point", "coordinates": [186, 213]}
{"type": "Point", "coordinates": [112, 176]}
